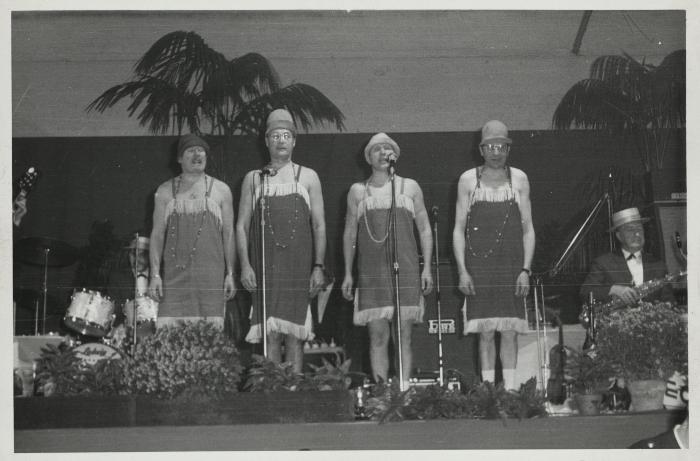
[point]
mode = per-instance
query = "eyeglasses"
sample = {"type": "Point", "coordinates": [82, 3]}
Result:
{"type": "Point", "coordinates": [277, 136]}
{"type": "Point", "coordinates": [495, 147]}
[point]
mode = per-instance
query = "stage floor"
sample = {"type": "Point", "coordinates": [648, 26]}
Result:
{"type": "Point", "coordinates": [572, 432]}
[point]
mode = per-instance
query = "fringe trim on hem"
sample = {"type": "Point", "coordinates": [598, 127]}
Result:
{"type": "Point", "coordinates": [502, 194]}
{"type": "Point", "coordinates": [496, 324]}
{"type": "Point", "coordinates": [278, 190]}
{"type": "Point", "coordinates": [276, 324]}
{"type": "Point", "coordinates": [193, 207]}
{"type": "Point", "coordinates": [384, 203]}
{"type": "Point", "coordinates": [413, 313]}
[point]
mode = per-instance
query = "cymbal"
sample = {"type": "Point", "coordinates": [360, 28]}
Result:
{"type": "Point", "coordinates": [33, 250]}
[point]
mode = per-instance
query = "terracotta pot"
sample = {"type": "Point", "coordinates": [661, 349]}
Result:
{"type": "Point", "coordinates": [588, 404]}
{"type": "Point", "coordinates": [647, 394]}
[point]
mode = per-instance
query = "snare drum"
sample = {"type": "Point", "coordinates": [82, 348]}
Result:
{"type": "Point", "coordinates": [90, 313]}
{"type": "Point", "coordinates": [146, 315]}
{"type": "Point", "coordinates": [146, 310]}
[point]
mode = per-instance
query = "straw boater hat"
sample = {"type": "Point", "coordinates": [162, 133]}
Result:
{"type": "Point", "coordinates": [625, 216]}
{"type": "Point", "coordinates": [280, 119]}
{"type": "Point", "coordinates": [190, 140]}
{"type": "Point", "coordinates": [494, 131]}
{"type": "Point", "coordinates": [381, 138]}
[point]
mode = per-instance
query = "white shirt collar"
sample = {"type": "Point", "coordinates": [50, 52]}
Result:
{"type": "Point", "coordinates": [626, 254]}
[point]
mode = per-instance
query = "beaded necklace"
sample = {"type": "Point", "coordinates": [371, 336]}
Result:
{"type": "Point", "coordinates": [388, 225]}
{"type": "Point", "coordinates": [176, 225]}
{"type": "Point", "coordinates": [499, 233]}
{"type": "Point", "coordinates": [296, 212]}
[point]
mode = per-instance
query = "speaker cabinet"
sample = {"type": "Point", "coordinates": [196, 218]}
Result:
{"type": "Point", "coordinates": [459, 352]}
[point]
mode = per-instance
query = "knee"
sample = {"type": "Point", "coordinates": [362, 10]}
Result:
{"type": "Point", "coordinates": [487, 336]}
{"type": "Point", "coordinates": [508, 336]}
{"type": "Point", "coordinates": [379, 339]}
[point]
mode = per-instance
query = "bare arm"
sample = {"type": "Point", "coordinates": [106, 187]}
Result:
{"type": "Point", "coordinates": [318, 224]}
{"type": "Point", "coordinates": [350, 240]}
{"type": "Point", "coordinates": [523, 282]}
{"type": "Point", "coordinates": [245, 213]}
{"type": "Point", "coordinates": [425, 235]}
{"type": "Point", "coordinates": [227, 218]}
{"type": "Point", "coordinates": [464, 189]}
{"type": "Point", "coordinates": [161, 199]}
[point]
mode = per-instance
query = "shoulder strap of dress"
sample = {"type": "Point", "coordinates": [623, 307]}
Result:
{"type": "Point", "coordinates": [211, 185]}
{"type": "Point", "coordinates": [296, 177]}
{"type": "Point", "coordinates": [368, 191]}
{"type": "Point", "coordinates": [402, 183]}
{"type": "Point", "coordinates": [172, 184]}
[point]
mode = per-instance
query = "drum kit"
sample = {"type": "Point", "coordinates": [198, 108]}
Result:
{"type": "Point", "coordinates": [92, 313]}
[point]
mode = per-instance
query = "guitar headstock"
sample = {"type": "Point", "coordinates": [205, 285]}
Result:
{"type": "Point", "coordinates": [28, 180]}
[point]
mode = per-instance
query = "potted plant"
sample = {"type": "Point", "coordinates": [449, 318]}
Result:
{"type": "Point", "coordinates": [645, 345]}
{"type": "Point", "coordinates": [589, 376]}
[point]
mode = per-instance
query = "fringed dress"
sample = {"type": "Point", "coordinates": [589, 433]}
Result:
{"type": "Point", "coordinates": [288, 258]}
{"type": "Point", "coordinates": [375, 293]}
{"type": "Point", "coordinates": [494, 259]}
{"type": "Point", "coordinates": [193, 258]}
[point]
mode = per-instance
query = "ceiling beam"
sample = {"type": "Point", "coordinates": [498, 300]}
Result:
{"type": "Point", "coordinates": [581, 31]}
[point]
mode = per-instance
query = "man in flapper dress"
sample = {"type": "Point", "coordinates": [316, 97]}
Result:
{"type": "Point", "coordinates": [494, 242]}
{"type": "Point", "coordinates": [368, 234]}
{"type": "Point", "coordinates": [286, 198]}
{"type": "Point", "coordinates": [192, 241]}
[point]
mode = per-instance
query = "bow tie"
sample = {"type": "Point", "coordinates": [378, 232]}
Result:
{"type": "Point", "coordinates": [631, 257]}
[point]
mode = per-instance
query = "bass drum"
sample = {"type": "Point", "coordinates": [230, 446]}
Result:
{"type": "Point", "coordinates": [90, 313]}
{"type": "Point", "coordinates": [92, 353]}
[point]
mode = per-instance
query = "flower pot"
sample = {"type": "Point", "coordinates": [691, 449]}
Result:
{"type": "Point", "coordinates": [647, 394]}
{"type": "Point", "coordinates": [588, 404]}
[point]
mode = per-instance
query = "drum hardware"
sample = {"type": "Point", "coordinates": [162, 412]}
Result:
{"type": "Point", "coordinates": [46, 252]}
{"type": "Point", "coordinates": [141, 312]}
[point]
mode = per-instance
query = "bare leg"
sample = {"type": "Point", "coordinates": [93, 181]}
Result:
{"type": "Point", "coordinates": [274, 346]}
{"type": "Point", "coordinates": [509, 349]}
{"type": "Point", "coordinates": [406, 352]}
{"type": "Point", "coordinates": [487, 355]}
{"type": "Point", "coordinates": [294, 352]}
{"type": "Point", "coordinates": [379, 334]}
{"type": "Point", "coordinates": [509, 357]}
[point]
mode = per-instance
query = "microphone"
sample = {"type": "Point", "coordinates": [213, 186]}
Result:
{"type": "Point", "coordinates": [268, 171]}
{"type": "Point", "coordinates": [392, 162]}
{"type": "Point", "coordinates": [434, 211]}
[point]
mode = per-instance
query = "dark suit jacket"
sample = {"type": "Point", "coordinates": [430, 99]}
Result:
{"type": "Point", "coordinates": [611, 269]}
{"type": "Point", "coordinates": [664, 440]}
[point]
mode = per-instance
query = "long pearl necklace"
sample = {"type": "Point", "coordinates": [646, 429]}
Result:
{"type": "Point", "coordinates": [388, 222]}
{"type": "Point", "coordinates": [175, 228]}
{"type": "Point", "coordinates": [293, 230]}
{"type": "Point", "coordinates": [499, 232]}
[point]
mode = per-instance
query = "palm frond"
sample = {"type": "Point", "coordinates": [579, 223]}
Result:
{"type": "Point", "coordinates": [594, 104]}
{"type": "Point", "coordinates": [622, 73]}
{"type": "Point", "coordinates": [180, 58]}
{"type": "Point", "coordinates": [307, 105]}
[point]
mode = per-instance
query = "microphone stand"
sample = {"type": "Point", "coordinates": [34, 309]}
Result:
{"type": "Point", "coordinates": [264, 186]}
{"type": "Point", "coordinates": [581, 233]}
{"type": "Point", "coordinates": [441, 378]}
{"type": "Point", "coordinates": [395, 269]}
{"type": "Point", "coordinates": [135, 269]}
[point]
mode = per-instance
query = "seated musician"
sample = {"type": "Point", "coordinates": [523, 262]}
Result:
{"type": "Point", "coordinates": [620, 273]}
